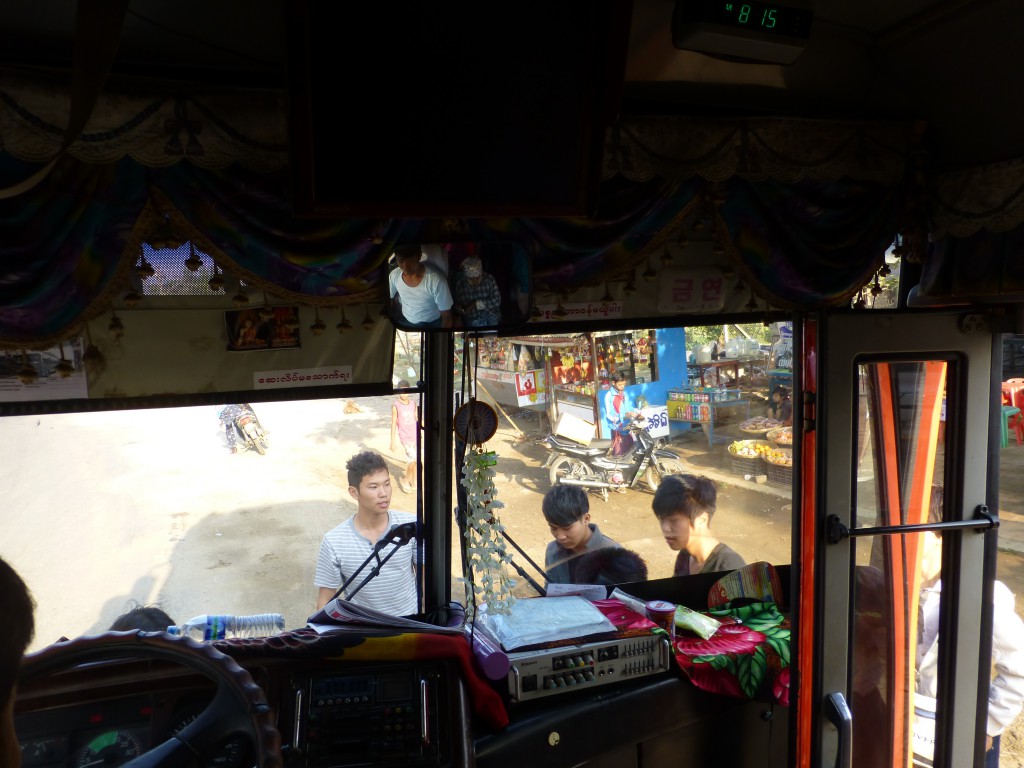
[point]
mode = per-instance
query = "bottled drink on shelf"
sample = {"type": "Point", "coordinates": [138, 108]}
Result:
{"type": "Point", "coordinates": [220, 626]}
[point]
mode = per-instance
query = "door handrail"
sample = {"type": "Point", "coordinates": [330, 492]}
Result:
{"type": "Point", "coordinates": [983, 520]}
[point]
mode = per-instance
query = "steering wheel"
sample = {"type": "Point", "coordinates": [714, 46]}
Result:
{"type": "Point", "coordinates": [239, 708]}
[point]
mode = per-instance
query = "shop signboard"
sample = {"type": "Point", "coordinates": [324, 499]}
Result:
{"type": "Point", "coordinates": [691, 290]}
{"type": "Point", "coordinates": [657, 420]}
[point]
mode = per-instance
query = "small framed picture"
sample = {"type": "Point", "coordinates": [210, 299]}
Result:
{"type": "Point", "coordinates": [251, 329]}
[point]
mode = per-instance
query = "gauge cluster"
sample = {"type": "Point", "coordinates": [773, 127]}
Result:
{"type": "Point", "coordinates": [110, 733]}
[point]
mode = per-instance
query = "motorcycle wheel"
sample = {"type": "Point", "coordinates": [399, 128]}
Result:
{"type": "Point", "coordinates": [660, 468]}
{"type": "Point", "coordinates": [253, 438]}
{"type": "Point", "coordinates": [566, 466]}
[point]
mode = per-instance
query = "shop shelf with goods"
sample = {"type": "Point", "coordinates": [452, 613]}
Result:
{"type": "Point", "coordinates": [706, 406]}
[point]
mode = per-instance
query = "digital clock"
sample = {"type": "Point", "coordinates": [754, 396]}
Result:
{"type": "Point", "coordinates": [756, 31]}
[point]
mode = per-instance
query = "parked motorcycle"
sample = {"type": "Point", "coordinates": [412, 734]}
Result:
{"type": "Point", "coordinates": [592, 466]}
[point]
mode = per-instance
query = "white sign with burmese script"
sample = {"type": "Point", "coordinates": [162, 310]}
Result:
{"type": "Point", "coordinates": [657, 420]}
{"type": "Point", "coordinates": [302, 377]}
{"type": "Point", "coordinates": [691, 290]}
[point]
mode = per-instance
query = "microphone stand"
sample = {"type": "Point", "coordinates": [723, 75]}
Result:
{"type": "Point", "coordinates": [519, 568]}
{"type": "Point", "coordinates": [396, 544]}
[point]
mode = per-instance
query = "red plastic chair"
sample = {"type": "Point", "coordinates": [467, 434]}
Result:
{"type": "Point", "coordinates": [1016, 423]}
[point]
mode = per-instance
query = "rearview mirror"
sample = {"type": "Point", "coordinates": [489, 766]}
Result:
{"type": "Point", "coordinates": [477, 286]}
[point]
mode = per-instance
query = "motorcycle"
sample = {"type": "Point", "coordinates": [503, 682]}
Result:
{"type": "Point", "coordinates": [251, 432]}
{"type": "Point", "coordinates": [593, 466]}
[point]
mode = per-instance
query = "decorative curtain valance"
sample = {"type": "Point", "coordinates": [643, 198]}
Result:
{"type": "Point", "coordinates": [984, 267]}
{"type": "Point", "coordinates": [812, 243]}
{"type": "Point", "coordinates": [806, 208]}
{"type": "Point", "coordinates": [211, 129]}
{"type": "Point", "coordinates": [757, 149]}
{"type": "Point", "coordinates": [989, 197]}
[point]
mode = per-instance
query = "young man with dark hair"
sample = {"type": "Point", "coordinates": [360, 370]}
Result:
{"type": "Point", "coordinates": [147, 618]}
{"type": "Point", "coordinates": [419, 292]}
{"type": "Point", "coordinates": [347, 546]}
{"type": "Point", "coordinates": [684, 506]}
{"type": "Point", "coordinates": [16, 606]}
{"type": "Point", "coordinates": [567, 510]}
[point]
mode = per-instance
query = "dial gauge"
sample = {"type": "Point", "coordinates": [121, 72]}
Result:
{"type": "Point", "coordinates": [110, 748]}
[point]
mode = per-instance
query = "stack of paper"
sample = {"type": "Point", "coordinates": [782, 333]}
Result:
{"type": "Point", "coordinates": [546, 619]}
{"type": "Point", "coordinates": [345, 616]}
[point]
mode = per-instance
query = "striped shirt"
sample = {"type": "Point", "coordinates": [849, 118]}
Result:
{"type": "Point", "coordinates": [391, 591]}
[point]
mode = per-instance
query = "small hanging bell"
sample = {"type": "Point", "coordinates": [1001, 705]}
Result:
{"type": "Point", "coordinates": [216, 282]}
{"type": "Point", "coordinates": [343, 326]}
{"type": "Point", "coordinates": [367, 323]}
{"type": "Point", "coordinates": [193, 263]}
{"type": "Point", "coordinates": [318, 326]}
{"type": "Point", "coordinates": [116, 327]}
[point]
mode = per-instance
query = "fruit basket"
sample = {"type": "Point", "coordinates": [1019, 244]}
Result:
{"type": "Point", "coordinates": [780, 436]}
{"type": "Point", "coordinates": [780, 466]}
{"type": "Point", "coordinates": [746, 456]}
{"type": "Point", "coordinates": [759, 425]}
{"type": "Point", "coordinates": [779, 457]}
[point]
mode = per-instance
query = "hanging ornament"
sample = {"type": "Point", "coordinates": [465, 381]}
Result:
{"type": "Point", "coordinates": [266, 311]}
{"type": "Point", "coordinates": [650, 273]}
{"type": "Point", "coordinates": [343, 326]}
{"type": "Point", "coordinates": [240, 299]}
{"type": "Point", "coordinates": [164, 238]}
{"type": "Point", "coordinates": [559, 311]}
{"type": "Point", "coordinates": [27, 373]}
{"type": "Point", "coordinates": [193, 263]}
{"type": "Point", "coordinates": [145, 269]}
{"type": "Point", "coordinates": [884, 271]}
{"type": "Point", "coordinates": [216, 282]}
{"type": "Point", "coordinates": [876, 288]}
{"type": "Point", "coordinates": [629, 289]}
{"type": "Point", "coordinates": [318, 327]}
{"type": "Point", "coordinates": [65, 367]}
{"type": "Point", "coordinates": [292, 322]}
{"type": "Point", "coordinates": [718, 249]}
{"type": "Point", "coordinates": [666, 257]}
{"type": "Point", "coordinates": [131, 299]}
{"type": "Point", "coordinates": [116, 327]}
{"type": "Point", "coordinates": [860, 303]}
{"type": "Point", "coordinates": [607, 298]}
{"type": "Point", "coordinates": [92, 358]}
{"type": "Point", "coordinates": [367, 323]}
{"type": "Point", "coordinates": [752, 303]}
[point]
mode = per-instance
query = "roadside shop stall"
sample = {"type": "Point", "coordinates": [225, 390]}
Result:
{"type": "Point", "coordinates": [573, 372]}
{"type": "Point", "coordinates": [512, 374]}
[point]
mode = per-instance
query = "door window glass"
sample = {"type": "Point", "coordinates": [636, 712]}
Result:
{"type": "Point", "coordinates": [899, 479]}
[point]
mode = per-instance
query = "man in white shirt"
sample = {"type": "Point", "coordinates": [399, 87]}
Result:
{"type": "Point", "coordinates": [423, 296]}
{"type": "Point", "coordinates": [347, 546]}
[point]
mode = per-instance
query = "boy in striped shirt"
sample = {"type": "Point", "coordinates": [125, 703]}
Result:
{"type": "Point", "coordinates": [347, 546]}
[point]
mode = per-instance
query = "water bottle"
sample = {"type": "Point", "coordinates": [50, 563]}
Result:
{"type": "Point", "coordinates": [220, 626]}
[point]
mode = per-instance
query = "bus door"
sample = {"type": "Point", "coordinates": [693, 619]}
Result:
{"type": "Point", "coordinates": [902, 423]}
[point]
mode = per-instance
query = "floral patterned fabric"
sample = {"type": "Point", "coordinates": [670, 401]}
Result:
{"type": "Point", "coordinates": [748, 657]}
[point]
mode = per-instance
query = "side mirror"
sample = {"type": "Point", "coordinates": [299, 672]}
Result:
{"type": "Point", "coordinates": [464, 286]}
